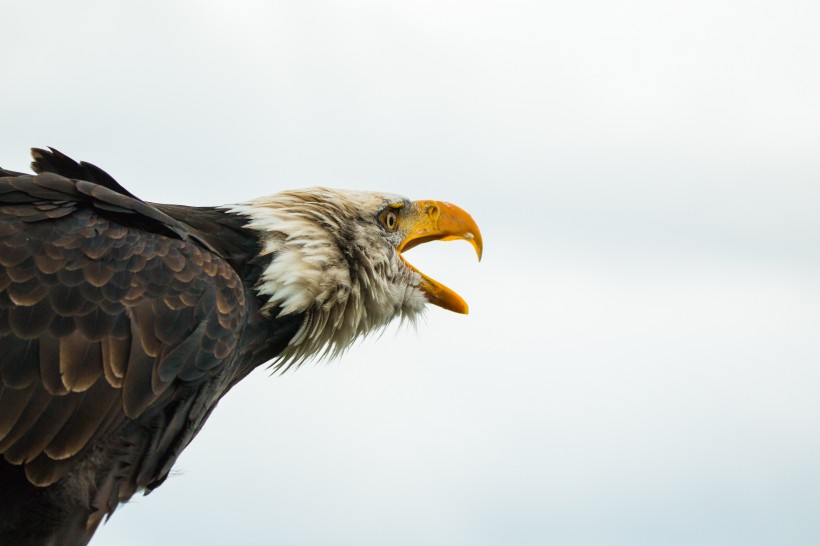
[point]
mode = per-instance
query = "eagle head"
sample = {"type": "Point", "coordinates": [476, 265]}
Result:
{"type": "Point", "coordinates": [335, 256]}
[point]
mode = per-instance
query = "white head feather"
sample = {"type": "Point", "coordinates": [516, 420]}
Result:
{"type": "Point", "coordinates": [333, 261]}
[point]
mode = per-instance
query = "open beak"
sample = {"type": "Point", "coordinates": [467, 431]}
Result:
{"type": "Point", "coordinates": [439, 221]}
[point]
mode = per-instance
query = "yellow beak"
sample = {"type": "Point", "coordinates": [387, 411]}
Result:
{"type": "Point", "coordinates": [439, 221]}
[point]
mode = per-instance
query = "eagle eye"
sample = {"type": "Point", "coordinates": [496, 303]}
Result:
{"type": "Point", "coordinates": [389, 219]}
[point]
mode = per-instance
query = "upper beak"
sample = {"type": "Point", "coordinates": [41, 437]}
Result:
{"type": "Point", "coordinates": [439, 221]}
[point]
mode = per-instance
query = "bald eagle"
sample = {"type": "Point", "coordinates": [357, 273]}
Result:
{"type": "Point", "coordinates": [123, 322]}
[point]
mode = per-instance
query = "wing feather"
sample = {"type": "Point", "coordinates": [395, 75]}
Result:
{"type": "Point", "coordinates": [34, 408]}
{"type": "Point", "coordinates": [17, 373]}
{"type": "Point", "coordinates": [109, 314]}
{"type": "Point", "coordinates": [137, 392]}
{"type": "Point", "coordinates": [29, 321]}
{"type": "Point", "coordinates": [49, 364]}
{"type": "Point", "coordinates": [44, 471]}
{"type": "Point", "coordinates": [50, 422]}
{"type": "Point", "coordinates": [115, 354]}
{"type": "Point", "coordinates": [80, 362]}
{"type": "Point", "coordinates": [13, 402]}
{"type": "Point", "coordinates": [77, 432]}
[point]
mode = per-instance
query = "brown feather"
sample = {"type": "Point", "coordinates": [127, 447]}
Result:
{"type": "Point", "coordinates": [5, 281]}
{"type": "Point", "coordinates": [13, 403]}
{"type": "Point", "coordinates": [98, 274]}
{"type": "Point", "coordinates": [46, 263]}
{"type": "Point", "coordinates": [62, 326]}
{"type": "Point", "coordinates": [21, 272]}
{"type": "Point", "coordinates": [96, 325]}
{"type": "Point", "coordinates": [171, 325]}
{"type": "Point", "coordinates": [12, 256]}
{"type": "Point", "coordinates": [137, 393]}
{"type": "Point", "coordinates": [68, 278]}
{"type": "Point", "coordinates": [80, 362]}
{"type": "Point", "coordinates": [69, 300]}
{"type": "Point", "coordinates": [115, 356]}
{"type": "Point", "coordinates": [29, 322]}
{"type": "Point", "coordinates": [142, 319]}
{"type": "Point", "coordinates": [85, 421]}
{"type": "Point", "coordinates": [44, 471]}
{"type": "Point", "coordinates": [97, 247]}
{"type": "Point", "coordinates": [35, 407]}
{"type": "Point", "coordinates": [50, 375]}
{"type": "Point", "coordinates": [27, 293]}
{"type": "Point", "coordinates": [16, 369]}
{"type": "Point", "coordinates": [40, 433]}
{"type": "Point", "coordinates": [183, 353]}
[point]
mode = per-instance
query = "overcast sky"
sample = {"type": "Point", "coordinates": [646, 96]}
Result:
{"type": "Point", "coordinates": [641, 363]}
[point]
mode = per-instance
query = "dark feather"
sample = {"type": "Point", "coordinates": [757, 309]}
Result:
{"type": "Point", "coordinates": [80, 362]}
{"type": "Point", "coordinates": [16, 368]}
{"type": "Point", "coordinates": [35, 406]}
{"type": "Point", "coordinates": [50, 422]}
{"type": "Point", "coordinates": [120, 326]}
{"type": "Point", "coordinates": [13, 402]}
{"type": "Point", "coordinates": [82, 425]}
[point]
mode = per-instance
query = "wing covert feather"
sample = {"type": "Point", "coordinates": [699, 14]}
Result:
{"type": "Point", "coordinates": [100, 323]}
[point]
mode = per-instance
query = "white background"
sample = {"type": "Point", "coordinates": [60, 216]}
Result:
{"type": "Point", "coordinates": [641, 363]}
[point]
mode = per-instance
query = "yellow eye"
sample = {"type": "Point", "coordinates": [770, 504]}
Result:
{"type": "Point", "coordinates": [390, 220]}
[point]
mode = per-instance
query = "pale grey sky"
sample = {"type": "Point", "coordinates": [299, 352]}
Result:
{"type": "Point", "coordinates": [641, 363]}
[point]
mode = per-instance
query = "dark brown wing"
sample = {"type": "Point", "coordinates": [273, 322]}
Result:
{"type": "Point", "coordinates": [116, 335]}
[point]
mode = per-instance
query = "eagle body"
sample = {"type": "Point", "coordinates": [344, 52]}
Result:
{"type": "Point", "coordinates": [123, 323]}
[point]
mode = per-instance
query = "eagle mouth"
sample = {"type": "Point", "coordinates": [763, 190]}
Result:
{"type": "Point", "coordinates": [439, 221]}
